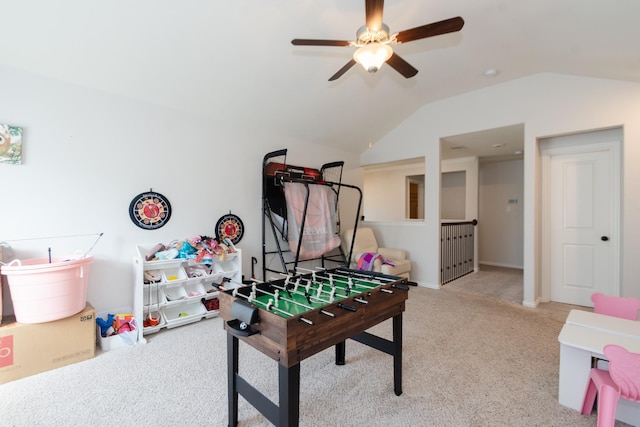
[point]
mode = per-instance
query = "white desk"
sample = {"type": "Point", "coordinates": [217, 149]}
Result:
{"type": "Point", "coordinates": [584, 335]}
{"type": "Point", "coordinates": [615, 325]}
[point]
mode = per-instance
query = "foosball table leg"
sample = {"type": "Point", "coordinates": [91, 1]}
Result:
{"type": "Point", "coordinates": [289, 395]}
{"type": "Point", "coordinates": [397, 354]}
{"type": "Point", "coordinates": [286, 414]}
{"type": "Point", "coordinates": [340, 351]}
{"type": "Point", "coordinates": [232, 371]}
{"type": "Point", "coordinates": [394, 348]}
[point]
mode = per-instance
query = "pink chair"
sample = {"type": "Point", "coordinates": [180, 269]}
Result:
{"type": "Point", "coordinates": [609, 305]}
{"type": "Point", "coordinates": [625, 308]}
{"type": "Point", "coordinates": [621, 380]}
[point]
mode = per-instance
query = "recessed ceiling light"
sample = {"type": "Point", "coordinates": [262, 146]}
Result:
{"type": "Point", "coordinates": [498, 145]}
{"type": "Point", "coordinates": [490, 72]}
{"type": "Point", "coordinates": [517, 152]}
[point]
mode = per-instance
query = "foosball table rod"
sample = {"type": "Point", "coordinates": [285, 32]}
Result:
{"type": "Point", "coordinates": [308, 288]}
{"type": "Point", "coordinates": [397, 286]}
{"type": "Point", "coordinates": [325, 312]}
{"type": "Point", "coordinates": [349, 283]}
{"type": "Point", "coordinates": [319, 290]}
{"type": "Point", "coordinates": [266, 306]}
{"type": "Point", "coordinates": [362, 275]}
{"type": "Point", "coordinates": [270, 305]}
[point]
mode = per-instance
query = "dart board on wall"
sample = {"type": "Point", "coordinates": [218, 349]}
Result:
{"type": "Point", "coordinates": [230, 226]}
{"type": "Point", "coordinates": [150, 210]}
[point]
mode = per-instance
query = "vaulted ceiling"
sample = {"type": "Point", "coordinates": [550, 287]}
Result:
{"type": "Point", "coordinates": [234, 61]}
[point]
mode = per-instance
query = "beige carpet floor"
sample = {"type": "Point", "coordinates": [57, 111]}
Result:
{"type": "Point", "coordinates": [500, 283]}
{"type": "Point", "coordinates": [469, 360]}
{"type": "Point", "coordinates": [504, 285]}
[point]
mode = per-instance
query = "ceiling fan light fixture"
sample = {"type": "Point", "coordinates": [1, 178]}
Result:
{"type": "Point", "coordinates": [372, 55]}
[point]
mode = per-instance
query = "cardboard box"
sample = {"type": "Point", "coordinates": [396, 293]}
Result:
{"type": "Point", "coordinates": [28, 349]}
{"type": "Point", "coordinates": [6, 304]}
{"type": "Point", "coordinates": [1, 285]}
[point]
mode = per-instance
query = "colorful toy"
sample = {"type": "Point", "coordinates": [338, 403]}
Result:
{"type": "Point", "coordinates": [106, 326]}
{"type": "Point", "coordinates": [125, 322]}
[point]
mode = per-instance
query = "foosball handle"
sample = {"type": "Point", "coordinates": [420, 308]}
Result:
{"type": "Point", "coordinates": [347, 307]}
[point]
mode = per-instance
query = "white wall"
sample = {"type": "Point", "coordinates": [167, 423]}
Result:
{"type": "Point", "coordinates": [468, 165]}
{"type": "Point", "coordinates": [454, 195]}
{"type": "Point", "coordinates": [86, 154]}
{"type": "Point", "coordinates": [548, 104]}
{"type": "Point", "coordinates": [501, 220]}
{"type": "Point", "coordinates": [385, 191]}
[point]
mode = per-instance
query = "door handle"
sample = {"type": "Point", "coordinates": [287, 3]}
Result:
{"type": "Point", "coordinates": [604, 238]}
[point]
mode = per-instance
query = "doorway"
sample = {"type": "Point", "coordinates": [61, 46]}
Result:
{"type": "Point", "coordinates": [580, 216]}
{"type": "Point", "coordinates": [415, 197]}
{"type": "Point", "coordinates": [488, 166]}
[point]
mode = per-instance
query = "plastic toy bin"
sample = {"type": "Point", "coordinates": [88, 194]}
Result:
{"type": "Point", "coordinates": [123, 339]}
{"type": "Point", "coordinates": [224, 266]}
{"type": "Point", "coordinates": [44, 291]}
{"type": "Point", "coordinates": [174, 274]}
{"type": "Point", "coordinates": [194, 290]}
{"type": "Point", "coordinates": [183, 314]}
{"type": "Point", "coordinates": [173, 294]}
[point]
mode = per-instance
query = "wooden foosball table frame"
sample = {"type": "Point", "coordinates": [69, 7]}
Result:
{"type": "Point", "coordinates": [289, 340]}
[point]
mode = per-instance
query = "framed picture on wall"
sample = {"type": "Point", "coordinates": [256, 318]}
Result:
{"type": "Point", "coordinates": [10, 144]}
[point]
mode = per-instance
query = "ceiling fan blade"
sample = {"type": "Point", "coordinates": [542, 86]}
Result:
{"type": "Point", "coordinates": [434, 29]}
{"type": "Point", "coordinates": [314, 42]}
{"type": "Point", "coordinates": [373, 9]}
{"type": "Point", "coordinates": [402, 66]}
{"type": "Point", "coordinates": [342, 70]}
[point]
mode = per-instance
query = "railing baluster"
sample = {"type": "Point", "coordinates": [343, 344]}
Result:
{"type": "Point", "coordinates": [456, 249]}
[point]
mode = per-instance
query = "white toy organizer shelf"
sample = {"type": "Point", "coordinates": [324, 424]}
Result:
{"type": "Point", "coordinates": [180, 291]}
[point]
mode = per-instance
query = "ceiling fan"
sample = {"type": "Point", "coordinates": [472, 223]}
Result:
{"type": "Point", "coordinates": [373, 40]}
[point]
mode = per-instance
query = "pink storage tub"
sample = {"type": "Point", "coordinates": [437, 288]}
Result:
{"type": "Point", "coordinates": [43, 292]}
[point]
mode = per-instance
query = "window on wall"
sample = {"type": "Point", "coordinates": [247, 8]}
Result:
{"type": "Point", "coordinates": [394, 191]}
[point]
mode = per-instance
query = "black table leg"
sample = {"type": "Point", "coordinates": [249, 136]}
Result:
{"type": "Point", "coordinates": [397, 354]}
{"type": "Point", "coordinates": [232, 371]}
{"type": "Point", "coordinates": [289, 394]}
{"type": "Point", "coordinates": [340, 350]}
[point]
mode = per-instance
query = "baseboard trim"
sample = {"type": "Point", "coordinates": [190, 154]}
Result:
{"type": "Point", "coordinates": [498, 264]}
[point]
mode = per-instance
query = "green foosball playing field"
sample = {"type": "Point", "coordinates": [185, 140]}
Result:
{"type": "Point", "coordinates": [290, 298]}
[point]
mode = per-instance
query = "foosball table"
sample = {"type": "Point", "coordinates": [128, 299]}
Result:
{"type": "Point", "coordinates": [293, 318]}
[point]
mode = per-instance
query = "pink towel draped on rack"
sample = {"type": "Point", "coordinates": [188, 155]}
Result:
{"type": "Point", "coordinates": [320, 228]}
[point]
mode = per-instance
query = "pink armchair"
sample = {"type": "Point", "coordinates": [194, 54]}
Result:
{"type": "Point", "coordinates": [366, 243]}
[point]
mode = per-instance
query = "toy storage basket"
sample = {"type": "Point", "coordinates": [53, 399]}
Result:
{"type": "Point", "coordinates": [44, 291]}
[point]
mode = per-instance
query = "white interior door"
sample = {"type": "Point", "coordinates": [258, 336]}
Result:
{"type": "Point", "coordinates": [581, 199]}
